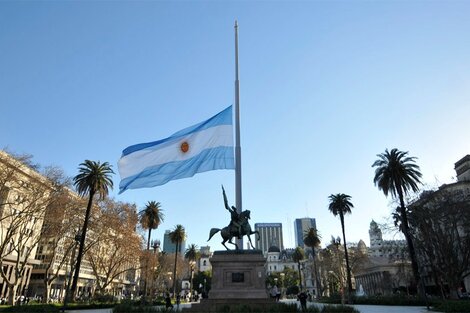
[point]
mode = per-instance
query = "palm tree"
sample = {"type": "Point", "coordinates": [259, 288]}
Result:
{"type": "Point", "coordinates": [312, 240]}
{"type": "Point", "coordinates": [397, 174]}
{"type": "Point", "coordinates": [93, 179]}
{"type": "Point", "coordinates": [297, 256]}
{"type": "Point", "coordinates": [340, 204]}
{"type": "Point", "coordinates": [177, 236]}
{"type": "Point", "coordinates": [191, 254]}
{"type": "Point", "coordinates": [151, 217]}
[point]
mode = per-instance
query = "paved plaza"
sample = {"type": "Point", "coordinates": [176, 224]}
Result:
{"type": "Point", "coordinates": [362, 308]}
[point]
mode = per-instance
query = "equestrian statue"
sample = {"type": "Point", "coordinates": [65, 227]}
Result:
{"type": "Point", "coordinates": [238, 227]}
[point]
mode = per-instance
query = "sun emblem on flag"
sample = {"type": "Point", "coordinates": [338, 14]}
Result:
{"type": "Point", "coordinates": [184, 146]}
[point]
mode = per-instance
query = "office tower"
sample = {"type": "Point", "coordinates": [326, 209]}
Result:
{"type": "Point", "coordinates": [301, 226]}
{"type": "Point", "coordinates": [170, 247]}
{"type": "Point", "coordinates": [270, 235]}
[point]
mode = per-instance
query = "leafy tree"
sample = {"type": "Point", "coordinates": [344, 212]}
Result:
{"type": "Point", "coordinates": [297, 256]}
{"type": "Point", "coordinates": [340, 204]}
{"type": "Point", "coordinates": [312, 240]}
{"type": "Point", "coordinates": [291, 281]}
{"type": "Point", "coordinates": [177, 236]}
{"type": "Point", "coordinates": [94, 178]}
{"type": "Point", "coordinates": [117, 252]}
{"type": "Point", "coordinates": [204, 280]}
{"type": "Point", "coordinates": [397, 174]}
{"type": "Point", "coordinates": [61, 224]}
{"type": "Point", "coordinates": [151, 217]}
{"type": "Point", "coordinates": [332, 266]}
{"type": "Point", "coordinates": [274, 278]}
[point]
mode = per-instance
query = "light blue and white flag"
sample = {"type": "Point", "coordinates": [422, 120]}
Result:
{"type": "Point", "coordinates": [203, 147]}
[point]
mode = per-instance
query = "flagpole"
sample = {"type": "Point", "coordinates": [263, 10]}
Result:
{"type": "Point", "coordinates": [238, 161]}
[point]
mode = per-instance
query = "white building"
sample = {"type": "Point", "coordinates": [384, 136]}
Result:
{"type": "Point", "coordinates": [204, 259]}
{"type": "Point", "coordinates": [389, 249]}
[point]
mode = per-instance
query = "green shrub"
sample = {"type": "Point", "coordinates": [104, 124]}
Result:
{"type": "Point", "coordinates": [131, 308]}
{"type": "Point", "coordinates": [338, 309]}
{"type": "Point", "coordinates": [453, 306]}
{"type": "Point", "coordinates": [33, 308]}
{"type": "Point", "coordinates": [88, 306]}
{"type": "Point", "coordinates": [292, 290]}
{"type": "Point", "coordinates": [401, 300]}
{"type": "Point", "coordinates": [275, 308]}
{"type": "Point", "coordinates": [311, 309]}
{"type": "Point", "coordinates": [104, 298]}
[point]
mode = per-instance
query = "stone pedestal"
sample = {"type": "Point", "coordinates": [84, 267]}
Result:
{"type": "Point", "coordinates": [238, 275]}
{"type": "Point", "coordinates": [238, 278]}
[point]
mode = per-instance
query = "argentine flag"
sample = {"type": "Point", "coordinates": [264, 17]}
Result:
{"type": "Point", "coordinates": [199, 148]}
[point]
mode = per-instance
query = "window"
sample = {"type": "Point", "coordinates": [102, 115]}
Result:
{"type": "Point", "coordinates": [3, 198]}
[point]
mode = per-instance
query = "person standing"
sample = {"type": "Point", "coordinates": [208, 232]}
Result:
{"type": "Point", "coordinates": [302, 297]}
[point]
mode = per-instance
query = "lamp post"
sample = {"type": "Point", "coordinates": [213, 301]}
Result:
{"type": "Point", "coordinates": [191, 264]}
{"type": "Point", "coordinates": [282, 283]}
{"type": "Point", "coordinates": [156, 246]}
{"type": "Point", "coordinates": [168, 286]}
{"type": "Point", "coordinates": [204, 291]}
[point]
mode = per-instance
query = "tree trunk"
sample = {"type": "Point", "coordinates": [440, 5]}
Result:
{"type": "Point", "coordinates": [73, 290]}
{"type": "Point", "coordinates": [348, 271]}
{"type": "Point", "coordinates": [409, 241]}
{"type": "Point", "coordinates": [12, 294]}
{"type": "Point", "coordinates": [317, 279]}
{"type": "Point", "coordinates": [148, 240]}
{"type": "Point", "coordinates": [453, 293]}
{"type": "Point", "coordinates": [300, 275]}
{"type": "Point", "coordinates": [47, 289]}
{"type": "Point", "coordinates": [174, 271]}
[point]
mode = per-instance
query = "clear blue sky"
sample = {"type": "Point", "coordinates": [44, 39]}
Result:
{"type": "Point", "coordinates": [325, 87]}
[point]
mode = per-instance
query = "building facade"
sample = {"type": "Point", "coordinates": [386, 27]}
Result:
{"type": "Point", "coordinates": [270, 235]}
{"type": "Point", "coordinates": [35, 215]}
{"type": "Point", "coordinates": [24, 194]}
{"type": "Point", "coordinates": [278, 260]}
{"type": "Point", "coordinates": [390, 249]}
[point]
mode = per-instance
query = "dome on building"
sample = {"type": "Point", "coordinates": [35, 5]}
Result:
{"type": "Point", "coordinates": [361, 246]}
{"type": "Point", "coordinates": [274, 249]}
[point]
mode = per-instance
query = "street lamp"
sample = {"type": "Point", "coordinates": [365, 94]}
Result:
{"type": "Point", "coordinates": [192, 265]}
{"type": "Point", "coordinates": [156, 245]}
{"type": "Point", "coordinates": [205, 281]}
{"type": "Point", "coordinates": [282, 282]}
{"type": "Point", "coordinates": [168, 281]}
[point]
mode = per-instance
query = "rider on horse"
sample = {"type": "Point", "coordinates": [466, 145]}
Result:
{"type": "Point", "coordinates": [239, 226]}
{"type": "Point", "coordinates": [235, 220]}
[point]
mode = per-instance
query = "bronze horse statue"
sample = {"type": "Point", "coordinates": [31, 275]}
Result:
{"type": "Point", "coordinates": [229, 232]}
